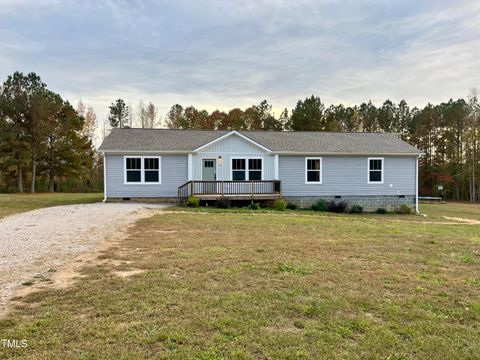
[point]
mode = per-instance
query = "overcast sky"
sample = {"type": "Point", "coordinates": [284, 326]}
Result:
{"type": "Point", "coordinates": [221, 54]}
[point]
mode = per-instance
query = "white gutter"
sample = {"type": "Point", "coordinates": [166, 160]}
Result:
{"type": "Point", "coordinates": [132, 152]}
{"type": "Point", "coordinates": [298, 153]}
{"type": "Point", "coordinates": [303, 153]}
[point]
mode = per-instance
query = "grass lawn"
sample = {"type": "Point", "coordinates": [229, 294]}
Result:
{"type": "Point", "coordinates": [16, 203]}
{"type": "Point", "coordinates": [448, 212]}
{"type": "Point", "coordinates": [249, 286]}
{"type": "Point", "coordinates": [454, 210]}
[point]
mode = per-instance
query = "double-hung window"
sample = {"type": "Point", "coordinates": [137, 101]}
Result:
{"type": "Point", "coordinates": [133, 168]}
{"type": "Point", "coordinates": [152, 170]}
{"type": "Point", "coordinates": [254, 169]}
{"type": "Point", "coordinates": [142, 170]}
{"type": "Point", "coordinates": [375, 170]}
{"type": "Point", "coordinates": [313, 170]}
{"type": "Point", "coordinates": [239, 169]}
{"type": "Point", "coordinates": [246, 169]}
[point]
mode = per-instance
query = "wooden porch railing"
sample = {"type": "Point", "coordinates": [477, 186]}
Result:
{"type": "Point", "coordinates": [228, 188]}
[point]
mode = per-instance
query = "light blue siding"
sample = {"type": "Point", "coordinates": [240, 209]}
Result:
{"type": "Point", "coordinates": [232, 147]}
{"type": "Point", "coordinates": [173, 174]}
{"type": "Point", "coordinates": [234, 144]}
{"type": "Point", "coordinates": [344, 175]}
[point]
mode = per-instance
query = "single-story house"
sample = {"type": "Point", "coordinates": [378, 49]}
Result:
{"type": "Point", "coordinates": [369, 169]}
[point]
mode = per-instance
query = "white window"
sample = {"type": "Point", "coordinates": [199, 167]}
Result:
{"type": "Point", "coordinates": [254, 169]}
{"type": "Point", "coordinates": [133, 168]}
{"type": "Point", "coordinates": [313, 170]}
{"type": "Point", "coordinates": [142, 170]}
{"type": "Point", "coordinates": [375, 170]}
{"type": "Point", "coordinates": [239, 169]}
{"type": "Point", "coordinates": [247, 169]}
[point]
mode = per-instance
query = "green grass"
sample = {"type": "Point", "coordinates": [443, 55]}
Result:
{"type": "Point", "coordinates": [432, 212]}
{"type": "Point", "coordinates": [451, 209]}
{"type": "Point", "coordinates": [234, 285]}
{"type": "Point", "coordinates": [17, 203]}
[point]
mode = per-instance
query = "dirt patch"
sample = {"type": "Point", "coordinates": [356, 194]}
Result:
{"type": "Point", "coordinates": [163, 231]}
{"type": "Point", "coordinates": [462, 220]}
{"type": "Point", "coordinates": [128, 273]}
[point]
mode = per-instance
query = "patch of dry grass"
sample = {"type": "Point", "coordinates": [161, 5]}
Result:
{"type": "Point", "coordinates": [233, 285]}
{"type": "Point", "coordinates": [16, 203]}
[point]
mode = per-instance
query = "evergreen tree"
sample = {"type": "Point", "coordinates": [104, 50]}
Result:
{"type": "Point", "coordinates": [307, 115]}
{"type": "Point", "coordinates": [176, 118]}
{"type": "Point", "coordinates": [119, 114]}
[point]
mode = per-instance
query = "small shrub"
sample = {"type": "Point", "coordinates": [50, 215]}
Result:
{"type": "Point", "coordinates": [223, 204]}
{"type": "Point", "coordinates": [356, 209]}
{"type": "Point", "coordinates": [381, 211]}
{"type": "Point", "coordinates": [405, 209]}
{"type": "Point", "coordinates": [321, 205]}
{"type": "Point", "coordinates": [193, 201]}
{"type": "Point", "coordinates": [253, 206]}
{"type": "Point", "coordinates": [280, 205]}
{"type": "Point", "coordinates": [291, 206]}
{"type": "Point", "coordinates": [337, 207]}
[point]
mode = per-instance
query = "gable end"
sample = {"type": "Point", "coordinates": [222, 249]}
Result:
{"type": "Point", "coordinates": [230, 135]}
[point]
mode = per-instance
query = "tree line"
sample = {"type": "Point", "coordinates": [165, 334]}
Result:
{"type": "Point", "coordinates": [44, 141]}
{"type": "Point", "coordinates": [447, 133]}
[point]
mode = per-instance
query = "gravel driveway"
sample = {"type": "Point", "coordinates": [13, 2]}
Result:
{"type": "Point", "coordinates": [31, 243]}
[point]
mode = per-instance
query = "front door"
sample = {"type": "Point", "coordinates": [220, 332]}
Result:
{"type": "Point", "coordinates": [209, 173]}
{"type": "Point", "coordinates": [209, 170]}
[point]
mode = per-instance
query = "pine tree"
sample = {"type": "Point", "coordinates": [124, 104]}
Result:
{"type": "Point", "coordinates": [119, 114]}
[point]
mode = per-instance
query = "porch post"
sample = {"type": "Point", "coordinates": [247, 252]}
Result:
{"type": "Point", "coordinates": [190, 167]}
{"type": "Point", "coordinates": [275, 167]}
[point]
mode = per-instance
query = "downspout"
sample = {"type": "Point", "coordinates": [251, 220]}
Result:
{"type": "Point", "coordinates": [104, 177]}
{"type": "Point", "coordinates": [416, 186]}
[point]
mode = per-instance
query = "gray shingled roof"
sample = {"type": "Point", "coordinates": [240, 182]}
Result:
{"type": "Point", "coordinates": [309, 142]}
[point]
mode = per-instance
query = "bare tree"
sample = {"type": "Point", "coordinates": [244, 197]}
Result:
{"type": "Point", "coordinates": [474, 117]}
{"type": "Point", "coordinates": [147, 115]}
{"type": "Point", "coordinates": [130, 119]}
{"type": "Point", "coordinates": [90, 123]}
{"type": "Point", "coordinates": [142, 114]}
{"type": "Point", "coordinates": [151, 116]}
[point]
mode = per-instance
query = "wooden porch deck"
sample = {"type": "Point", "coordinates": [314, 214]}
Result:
{"type": "Point", "coordinates": [232, 190]}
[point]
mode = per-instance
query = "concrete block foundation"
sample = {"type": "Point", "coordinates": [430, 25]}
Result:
{"type": "Point", "coordinates": [370, 203]}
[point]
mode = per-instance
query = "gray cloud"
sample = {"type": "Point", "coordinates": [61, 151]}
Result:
{"type": "Point", "coordinates": [234, 53]}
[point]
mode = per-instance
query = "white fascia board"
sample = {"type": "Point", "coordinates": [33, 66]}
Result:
{"type": "Point", "coordinates": [128, 152]}
{"type": "Point", "coordinates": [303, 153]}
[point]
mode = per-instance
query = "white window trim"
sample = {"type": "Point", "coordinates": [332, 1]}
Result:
{"type": "Point", "coordinates": [306, 171]}
{"type": "Point", "coordinates": [247, 175]}
{"type": "Point", "coordinates": [142, 170]}
{"type": "Point", "coordinates": [368, 171]}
